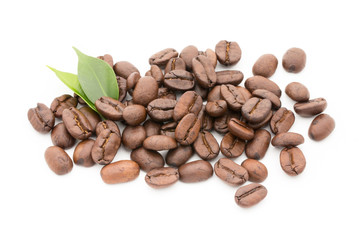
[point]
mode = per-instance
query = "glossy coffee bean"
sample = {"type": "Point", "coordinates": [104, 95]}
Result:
{"type": "Point", "coordinates": [233, 97]}
{"type": "Point", "coordinates": [179, 80]}
{"type": "Point", "coordinates": [221, 123]}
{"type": "Point", "coordinates": [310, 108]}
{"type": "Point", "coordinates": [257, 147]}
{"type": "Point", "coordinates": [133, 136]}
{"type": "Point", "coordinates": [292, 161]}
{"type": "Point", "coordinates": [110, 108]}
{"type": "Point", "coordinates": [195, 171]}
{"type": "Point", "coordinates": [214, 94]}
{"type": "Point", "coordinates": [82, 153]}
{"type": "Point", "coordinates": [232, 146]}
{"type": "Point", "coordinates": [156, 73]}
{"type": "Point", "coordinates": [211, 55]}
{"type": "Point", "coordinates": [256, 170]}
{"type": "Point", "coordinates": [203, 92]}
{"type": "Point", "coordinates": [162, 57]}
{"type": "Point", "coordinates": [259, 82]}
{"type": "Point", "coordinates": [162, 177]}
{"type": "Point", "coordinates": [261, 124]}
{"type": "Point", "coordinates": [282, 121]}
{"type": "Point", "coordinates": [321, 127]}
{"type": "Point", "coordinates": [166, 93]}
{"type": "Point", "coordinates": [189, 102]}
{"type": "Point", "coordinates": [107, 124]}
{"type": "Point", "coordinates": [161, 110]}
{"type": "Point", "coordinates": [287, 139]}
{"type": "Point", "coordinates": [105, 147]}
{"type": "Point", "coordinates": [131, 82]}
{"type": "Point", "coordinates": [204, 71]}
{"type": "Point", "coordinates": [228, 53]}
{"type": "Point", "coordinates": [168, 129]}
{"type": "Point", "coordinates": [230, 172]}
{"type": "Point", "coordinates": [240, 129]}
{"type": "Point", "coordinates": [187, 54]}
{"type": "Point", "coordinates": [175, 64]}
{"type": "Point", "coordinates": [187, 129]}
{"type": "Point", "coordinates": [41, 118]}
{"type": "Point", "coordinates": [145, 90]}
{"type": "Point", "coordinates": [76, 123]}
{"type": "Point", "coordinates": [120, 172]}
{"type": "Point", "coordinates": [265, 94]}
{"type": "Point", "coordinates": [232, 77]}
{"type": "Point", "coordinates": [265, 66]}
{"type": "Point", "coordinates": [249, 195]}
{"type": "Point", "coordinates": [297, 92]}
{"type": "Point", "coordinates": [151, 128]}
{"type": "Point", "coordinates": [159, 143]}
{"type": "Point", "coordinates": [61, 137]}
{"type": "Point", "coordinates": [216, 108]}
{"type": "Point", "coordinates": [206, 146]}
{"type": "Point", "coordinates": [256, 109]}
{"type": "Point", "coordinates": [134, 115]}
{"type": "Point", "coordinates": [124, 69]}
{"type": "Point", "coordinates": [178, 156]}
{"type": "Point", "coordinates": [108, 59]}
{"type": "Point", "coordinates": [58, 160]}
{"type": "Point", "coordinates": [92, 116]}
{"type": "Point", "coordinates": [294, 60]}
{"type": "Point", "coordinates": [65, 101]}
{"type": "Point", "coordinates": [121, 82]}
{"type": "Point", "coordinates": [147, 159]}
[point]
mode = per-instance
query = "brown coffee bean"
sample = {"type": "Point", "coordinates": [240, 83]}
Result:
{"type": "Point", "coordinates": [145, 91]}
{"type": "Point", "coordinates": [207, 122]}
{"type": "Point", "coordinates": [131, 82]}
{"type": "Point", "coordinates": [216, 108]}
{"type": "Point", "coordinates": [255, 109]}
{"type": "Point", "coordinates": [189, 102]}
{"type": "Point", "coordinates": [61, 137]}
{"type": "Point", "coordinates": [206, 146]}
{"type": "Point", "coordinates": [178, 156]}
{"type": "Point", "coordinates": [187, 129]}
{"type": "Point", "coordinates": [232, 146]}
{"type": "Point", "coordinates": [175, 64]}
{"type": "Point", "coordinates": [233, 77]}
{"type": "Point", "coordinates": [228, 53]}
{"type": "Point", "coordinates": [107, 124]}
{"type": "Point", "coordinates": [65, 101]}
{"type": "Point", "coordinates": [58, 160]}
{"type": "Point", "coordinates": [287, 139]}
{"type": "Point", "coordinates": [292, 161]}
{"type": "Point", "coordinates": [221, 123]}
{"type": "Point", "coordinates": [41, 118]}
{"type": "Point", "coordinates": [203, 92]}
{"type": "Point", "coordinates": [187, 54]}
{"type": "Point", "coordinates": [162, 177]}
{"type": "Point", "coordinates": [265, 66]}
{"type": "Point", "coordinates": [105, 147]}
{"type": "Point", "coordinates": [265, 94]}
{"type": "Point", "coordinates": [161, 58]}
{"type": "Point", "coordinates": [168, 129]}
{"type": "Point", "coordinates": [179, 80]}
{"type": "Point", "coordinates": [282, 121]}
{"type": "Point", "coordinates": [161, 110]}
{"type": "Point", "coordinates": [230, 172]}
{"type": "Point", "coordinates": [82, 153]}
{"type": "Point", "coordinates": [195, 171]}
{"type": "Point", "coordinates": [92, 116]}
{"type": "Point", "coordinates": [257, 147]}
{"type": "Point", "coordinates": [108, 59]}
{"type": "Point", "coordinates": [76, 123]}
{"type": "Point", "coordinates": [122, 87]}
{"type": "Point", "coordinates": [134, 115]}
{"type": "Point", "coordinates": [240, 129]}
{"type": "Point", "coordinates": [110, 108]}
{"type": "Point", "coordinates": [262, 123]}
{"type": "Point", "coordinates": [233, 96]}
{"type": "Point", "coordinates": [256, 170]}
{"type": "Point", "coordinates": [159, 143]}
{"type": "Point", "coordinates": [120, 172]}
{"type": "Point", "coordinates": [151, 128]}
{"type": "Point", "coordinates": [310, 108]}
{"type": "Point", "coordinates": [259, 82]}
{"type": "Point", "coordinates": [147, 159]}
{"type": "Point", "coordinates": [124, 69]}
{"type": "Point", "coordinates": [294, 60]}
{"type": "Point", "coordinates": [204, 71]}
{"type": "Point", "coordinates": [156, 73]}
{"type": "Point", "coordinates": [133, 136]}
{"type": "Point", "coordinates": [214, 94]}
{"type": "Point", "coordinates": [166, 93]}
{"type": "Point", "coordinates": [249, 195]}
{"type": "Point", "coordinates": [211, 55]}
{"type": "Point", "coordinates": [79, 99]}
{"type": "Point", "coordinates": [244, 92]}
{"type": "Point", "coordinates": [321, 127]}
{"type": "Point", "coordinates": [297, 92]}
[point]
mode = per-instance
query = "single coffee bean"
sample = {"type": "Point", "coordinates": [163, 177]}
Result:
{"type": "Point", "coordinates": [195, 171]}
{"type": "Point", "coordinates": [162, 177]}
{"type": "Point", "coordinates": [110, 108]}
{"type": "Point", "coordinates": [159, 143]}
{"type": "Point", "coordinates": [166, 93]}
{"type": "Point", "coordinates": [147, 159]}
{"type": "Point", "coordinates": [65, 101]}
{"type": "Point", "coordinates": [265, 66]}
{"type": "Point", "coordinates": [244, 92]}
{"type": "Point", "coordinates": [297, 92]}
{"type": "Point", "coordinates": [228, 53]}
{"type": "Point", "coordinates": [133, 136]}
{"type": "Point", "coordinates": [204, 71]}
{"type": "Point", "coordinates": [189, 102]}
{"type": "Point", "coordinates": [206, 146]}
{"type": "Point", "coordinates": [321, 127]}
{"type": "Point", "coordinates": [168, 129]}
{"type": "Point", "coordinates": [145, 90]}
{"type": "Point", "coordinates": [221, 123]}
{"type": "Point", "coordinates": [211, 55]}
{"type": "Point", "coordinates": [58, 160]}
{"type": "Point", "coordinates": [310, 108]}
{"type": "Point", "coordinates": [292, 161]}
{"type": "Point", "coordinates": [203, 92]}
{"type": "Point", "coordinates": [187, 129]}
{"type": "Point", "coordinates": [105, 147]}
{"type": "Point", "coordinates": [287, 139]}
{"type": "Point", "coordinates": [92, 116]}
{"type": "Point", "coordinates": [41, 118]}
{"type": "Point", "coordinates": [151, 128]}
{"type": "Point", "coordinates": [230, 172]}
{"type": "Point", "coordinates": [232, 77]}
{"type": "Point", "coordinates": [76, 123]}
{"type": "Point", "coordinates": [131, 82]}
{"type": "Point", "coordinates": [79, 99]}
{"type": "Point", "coordinates": [265, 94]}
{"type": "Point", "coordinates": [256, 170]}
{"type": "Point", "coordinates": [178, 156]}
{"type": "Point", "coordinates": [259, 82]}
{"type": "Point", "coordinates": [214, 94]}
{"type": "Point", "coordinates": [257, 147]}
{"type": "Point", "coordinates": [232, 146]}
{"type": "Point", "coordinates": [161, 58]}
{"type": "Point", "coordinates": [282, 121]}
{"type": "Point", "coordinates": [179, 80]}
{"type": "Point", "coordinates": [240, 129]}
{"type": "Point", "coordinates": [156, 73]}
{"type": "Point", "coordinates": [120, 172]}
{"type": "Point", "coordinates": [233, 97]}
{"type": "Point", "coordinates": [294, 60]}
{"type": "Point", "coordinates": [108, 59]}
{"type": "Point", "coordinates": [207, 122]}
{"type": "Point", "coordinates": [61, 137]}
{"type": "Point", "coordinates": [187, 54]}
{"type": "Point", "coordinates": [175, 64]}
{"type": "Point", "coordinates": [256, 109]}
{"type": "Point", "coordinates": [124, 69]}
{"type": "Point", "coordinates": [82, 153]}
{"type": "Point", "coordinates": [122, 87]}
{"type": "Point", "coordinates": [107, 124]}
{"type": "Point", "coordinates": [261, 124]}
{"type": "Point", "coordinates": [216, 108]}
{"type": "Point", "coordinates": [249, 195]}
{"type": "Point", "coordinates": [161, 110]}
{"type": "Point", "coordinates": [134, 115]}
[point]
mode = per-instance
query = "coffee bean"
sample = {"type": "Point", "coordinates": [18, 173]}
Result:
{"type": "Point", "coordinates": [179, 80]}
{"type": "Point", "coordinates": [214, 94]}
{"type": "Point", "coordinates": [178, 156]}
{"type": "Point", "coordinates": [233, 77]}
{"type": "Point", "coordinates": [110, 108]}
{"type": "Point", "coordinates": [255, 109]}
{"type": "Point", "coordinates": [195, 171]}
{"type": "Point", "coordinates": [159, 143]}
{"type": "Point", "coordinates": [65, 101]}
{"type": "Point", "coordinates": [230, 172]}
{"type": "Point", "coordinates": [161, 58]}
{"type": "Point", "coordinates": [216, 108]}
{"type": "Point", "coordinates": [189, 102]}
{"type": "Point", "coordinates": [121, 82]}
{"type": "Point", "coordinates": [134, 115]}
{"type": "Point", "coordinates": [265, 94]}
{"type": "Point", "coordinates": [203, 92]}
{"type": "Point", "coordinates": [82, 153]}
{"type": "Point", "coordinates": [206, 146]}
{"type": "Point", "coordinates": [297, 92]}
{"type": "Point", "coordinates": [120, 172]}
{"type": "Point", "coordinates": [232, 146]}
{"type": "Point", "coordinates": [244, 92]}
{"type": "Point", "coordinates": [147, 159]}
{"type": "Point", "coordinates": [287, 139]}
{"type": "Point", "coordinates": [262, 123]}
{"type": "Point", "coordinates": [207, 122]}
{"type": "Point", "coordinates": [265, 66]}
{"type": "Point", "coordinates": [107, 124]}
{"type": "Point", "coordinates": [131, 82]}
{"type": "Point", "coordinates": [108, 59]}
{"type": "Point", "coordinates": [256, 170]}
{"type": "Point", "coordinates": [162, 177]}
{"type": "Point", "coordinates": [79, 99]}
{"type": "Point", "coordinates": [233, 97]}
{"type": "Point", "coordinates": [151, 128]}
{"type": "Point", "coordinates": [124, 69]}
{"type": "Point", "coordinates": [221, 123]}
{"type": "Point", "coordinates": [105, 147]}
{"type": "Point", "coordinates": [204, 71]}
{"type": "Point", "coordinates": [168, 129]}
{"type": "Point", "coordinates": [92, 116]}
{"type": "Point", "coordinates": [292, 161]}
{"type": "Point", "coordinates": [61, 137]}
{"type": "Point", "coordinates": [76, 123]}
{"type": "Point", "coordinates": [58, 160]}
{"type": "Point", "coordinates": [161, 110]}
{"type": "Point", "coordinates": [175, 64]}
{"type": "Point", "coordinates": [228, 53]}
{"type": "Point", "coordinates": [294, 60]}
{"type": "Point", "coordinates": [41, 118]}
{"type": "Point", "coordinates": [187, 129]}
{"type": "Point", "coordinates": [282, 120]}
{"type": "Point", "coordinates": [259, 82]}
{"type": "Point", "coordinates": [250, 195]}
{"type": "Point", "coordinates": [321, 127]}
{"type": "Point", "coordinates": [166, 94]}
{"type": "Point", "coordinates": [145, 91]}
{"type": "Point", "coordinates": [187, 54]}
{"type": "Point", "coordinates": [211, 55]}
{"type": "Point", "coordinates": [258, 146]}
{"type": "Point", "coordinates": [310, 108]}
{"type": "Point", "coordinates": [240, 129]}
{"type": "Point", "coordinates": [133, 136]}
{"type": "Point", "coordinates": [156, 73]}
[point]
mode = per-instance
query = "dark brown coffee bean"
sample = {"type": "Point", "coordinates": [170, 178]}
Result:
{"type": "Point", "coordinates": [76, 123]}
{"type": "Point", "coordinates": [257, 147]}
{"type": "Point", "coordinates": [161, 110]}
{"type": "Point", "coordinates": [240, 129]}
{"type": "Point", "coordinates": [259, 82]}
{"type": "Point", "coordinates": [124, 69]}
{"type": "Point", "coordinates": [134, 115]}
{"type": "Point", "coordinates": [203, 92]}
{"type": "Point", "coordinates": [189, 102]}
{"type": "Point", "coordinates": [232, 77]}
{"type": "Point", "coordinates": [133, 136]}
{"type": "Point", "coordinates": [249, 195]}
{"type": "Point", "coordinates": [145, 91]}
{"type": "Point", "coordinates": [156, 72]}
{"type": "Point", "coordinates": [204, 71]}
{"type": "Point", "coordinates": [265, 65]}
{"type": "Point", "coordinates": [161, 58]}
{"type": "Point", "coordinates": [162, 177]}
{"type": "Point", "coordinates": [61, 137]}
{"type": "Point", "coordinates": [206, 146]}
{"type": "Point", "coordinates": [256, 170]}
{"type": "Point", "coordinates": [256, 109]}
{"type": "Point", "coordinates": [107, 124]}
{"type": "Point", "coordinates": [262, 123]}
{"type": "Point", "coordinates": [58, 160]}
{"type": "Point", "coordinates": [159, 143]}
{"type": "Point", "coordinates": [187, 54]}
{"type": "Point", "coordinates": [195, 171]}
{"type": "Point", "coordinates": [168, 129]}
{"type": "Point", "coordinates": [207, 122]}
{"type": "Point", "coordinates": [175, 64]}
{"type": "Point", "coordinates": [287, 139]}
{"type": "Point", "coordinates": [230, 172]}
{"type": "Point", "coordinates": [147, 159]}
{"type": "Point", "coordinates": [79, 99]}
{"type": "Point", "coordinates": [282, 120]}
{"type": "Point", "coordinates": [211, 55]}
{"type": "Point", "coordinates": [108, 59]}
{"type": "Point", "coordinates": [221, 123]}
{"type": "Point", "coordinates": [232, 146]}
{"type": "Point", "coordinates": [166, 93]}
{"type": "Point", "coordinates": [265, 94]}
{"type": "Point", "coordinates": [178, 156]}
{"type": "Point", "coordinates": [122, 87]}
{"type": "Point", "coordinates": [216, 108]}
{"type": "Point", "coordinates": [120, 172]}
{"type": "Point", "coordinates": [187, 129]}
{"type": "Point", "coordinates": [105, 147]}
{"type": "Point", "coordinates": [297, 92]}
{"type": "Point", "coordinates": [41, 118]}
{"type": "Point", "coordinates": [233, 97]}
{"type": "Point", "coordinates": [92, 116]}
{"type": "Point", "coordinates": [321, 127]}
{"type": "Point", "coordinates": [292, 161]}
{"type": "Point", "coordinates": [110, 108]}
{"type": "Point", "coordinates": [82, 153]}
{"type": "Point", "coordinates": [228, 53]}
{"type": "Point", "coordinates": [179, 80]}
{"type": "Point", "coordinates": [151, 128]}
{"type": "Point", "coordinates": [65, 101]}
{"type": "Point", "coordinates": [131, 82]}
{"type": "Point", "coordinates": [294, 60]}
{"type": "Point", "coordinates": [310, 108]}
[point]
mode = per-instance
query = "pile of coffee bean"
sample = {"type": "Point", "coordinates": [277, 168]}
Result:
{"type": "Point", "coordinates": [174, 108]}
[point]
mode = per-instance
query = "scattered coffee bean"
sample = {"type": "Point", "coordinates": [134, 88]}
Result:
{"type": "Point", "coordinates": [321, 127]}
{"type": "Point", "coordinates": [259, 82]}
{"type": "Point", "coordinates": [92, 116]}
{"type": "Point", "coordinates": [228, 53]}
{"type": "Point", "coordinates": [265, 66]}
{"type": "Point", "coordinates": [287, 139]}
{"type": "Point", "coordinates": [292, 161]}
{"type": "Point", "coordinates": [204, 71]}
{"type": "Point", "coordinates": [161, 110]}
{"type": "Point", "coordinates": [206, 146]}
{"type": "Point", "coordinates": [216, 108]}
{"type": "Point", "coordinates": [297, 92]}
{"type": "Point", "coordinates": [282, 121]}
{"type": "Point", "coordinates": [175, 64]}
{"type": "Point", "coordinates": [82, 153]}
{"type": "Point", "coordinates": [166, 93]}
{"type": "Point", "coordinates": [108, 59]}
{"type": "Point", "coordinates": [107, 124]}
{"type": "Point", "coordinates": [211, 55]}
{"type": "Point", "coordinates": [250, 195]}
{"type": "Point", "coordinates": [310, 108]}
{"type": "Point", "coordinates": [145, 91]}
{"type": "Point", "coordinates": [178, 156]}
{"type": "Point", "coordinates": [147, 159]}
{"type": "Point", "coordinates": [233, 77]}
{"type": "Point", "coordinates": [41, 118]}
{"type": "Point", "coordinates": [110, 108]}
{"type": "Point", "coordinates": [168, 129]}
{"type": "Point", "coordinates": [187, 54]}
{"type": "Point", "coordinates": [256, 109]}
{"type": "Point", "coordinates": [124, 69]}
{"type": "Point", "coordinates": [122, 87]}
{"type": "Point", "coordinates": [105, 147]}
{"type": "Point", "coordinates": [162, 177]}
{"type": "Point", "coordinates": [58, 160]}
{"type": "Point", "coordinates": [240, 129]}
{"type": "Point", "coordinates": [156, 73]}
{"type": "Point", "coordinates": [65, 101]}
{"type": "Point", "coordinates": [189, 102]}
{"type": "Point", "coordinates": [133, 136]}
{"type": "Point", "coordinates": [120, 172]}
{"type": "Point", "coordinates": [179, 80]}
{"type": "Point", "coordinates": [187, 129]}
{"type": "Point", "coordinates": [159, 143]}
{"type": "Point", "coordinates": [76, 123]}
{"type": "Point", "coordinates": [161, 58]}
{"type": "Point", "coordinates": [134, 115]}
{"type": "Point", "coordinates": [232, 146]}
{"type": "Point", "coordinates": [230, 172]}
{"type": "Point", "coordinates": [61, 137]}
{"type": "Point", "coordinates": [233, 96]}
{"type": "Point", "coordinates": [256, 170]}
{"type": "Point", "coordinates": [195, 171]}
{"type": "Point", "coordinates": [265, 94]}
{"type": "Point", "coordinates": [294, 60]}
{"type": "Point", "coordinates": [151, 128]}
{"type": "Point", "coordinates": [258, 146]}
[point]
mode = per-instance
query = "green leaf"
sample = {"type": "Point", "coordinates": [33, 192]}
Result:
{"type": "Point", "coordinates": [96, 77]}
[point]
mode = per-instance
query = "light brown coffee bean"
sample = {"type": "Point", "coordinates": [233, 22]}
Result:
{"type": "Point", "coordinates": [233, 96]}
{"type": "Point", "coordinates": [211, 55]}
{"type": "Point", "coordinates": [292, 161]}
{"type": "Point", "coordinates": [262, 123]}
{"type": "Point", "coordinates": [156, 73]}
{"type": "Point", "coordinates": [178, 156]}
{"type": "Point", "coordinates": [310, 108]}
{"type": "Point", "coordinates": [259, 82]}
{"type": "Point", "coordinates": [179, 80]}
{"type": "Point", "coordinates": [282, 121]}
{"type": "Point", "coordinates": [206, 146]}
{"type": "Point", "coordinates": [256, 170]}
{"type": "Point", "coordinates": [175, 64]}
{"type": "Point", "coordinates": [257, 147]}
{"type": "Point", "coordinates": [133, 136]}
{"type": "Point", "coordinates": [41, 118]}
{"type": "Point", "coordinates": [131, 82]}
{"type": "Point", "coordinates": [61, 103]}
{"type": "Point", "coordinates": [159, 143]}
{"type": "Point", "coordinates": [162, 177]}
{"type": "Point", "coordinates": [58, 160]}
{"type": "Point", "coordinates": [105, 147]}
{"type": "Point", "coordinates": [216, 108]}
{"type": "Point", "coordinates": [82, 153]}
{"type": "Point", "coordinates": [214, 94]}
{"type": "Point", "coordinates": [287, 139]}
{"type": "Point", "coordinates": [107, 124]}
{"type": "Point", "coordinates": [61, 137]}
{"type": "Point", "coordinates": [147, 159]}
{"type": "Point", "coordinates": [187, 54]}
{"type": "Point", "coordinates": [294, 60]}
{"type": "Point", "coordinates": [168, 129]}
{"type": "Point", "coordinates": [92, 116]}
{"type": "Point", "coordinates": [124, 69]}
{"type": "Point", "coordinates": [195, 171]}
{"type": "Point", "coordinates": [233, 77]}
{"type": "Point", "coordinates": [250, 195]}
{"type": "Point", "coordinates": [120, 172]}
{"type": "Point", "coordinates": [108, 59]}
{"type": "Point", "coordinates": [232, 146]}
{"type": "Point", "coordinates": [134, 115]}
{"type": "Point", "coordinates": [321, 127]}
{"type": "Point", "coordinates": [110, 108]}
{"type": "Point", "coordinates": [265, 66]}
{"type": "Point", "coordinates": [189, 102]}
{"type": "Point", "coordinates": [151, 128]}
{"type": "Point", "coordinates": [297, 92]}
{"type": "Point", "coordinates": [265, 94]}
{"type": "Point", "coordinates": [76, 123]}
{"type": "Point", "coordinates": [162, 57]}
{"type": "Point", "coordinates": [230, 172]}
{"type": "Point", "coordinates": [240, 129]}
{"type": "Point", "coordinates": [255, 109]}
{"type": "Point", "coordinates": [204, 71]}
{"type": "Point", "coordinates": [228, 53]}
{"type": "Point", "coordinates": [145, 91]}
{"type": "Point", "coordinates": [188, 129]}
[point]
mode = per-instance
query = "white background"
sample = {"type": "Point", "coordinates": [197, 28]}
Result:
{"type": "Point", "coordinates": [321, 203]}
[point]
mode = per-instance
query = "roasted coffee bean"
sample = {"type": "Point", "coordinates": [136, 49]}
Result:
{"type": "Point", "coordinates": [262, 123]}
{"type": "Point", "coordinates": [216, 108]}
{"type": "Point", "coordinates": [120, 172]}
{"type": "Point", "coordinates": [79, 99]}
{"type": "Point", "coordinates": [256, 109]}
{"type": "Point", "coordinates": [258, 146]}
{"type": "Point", "coordinates": [244, 92]}
{"type": "Point", "coordinates": [151, 128]}
{"type": "Point", "coordinates": [124, 69]}
{"type": "Point", "coordinates": [110, 108]}
{"type": "Point", "coordinates": [240, 129]}
{"type": "Point", "coordinates": [292, 161]}
{"type": "Point", "coordinates": [297, 92]}
{"type": "Point", "coordinates": [156, 73]}
{"type": "Point", "coordinates": [133, 136]}
{"type": "Point", "coordinates": [310, 108]}
{"type": "Point", "coordinates": [265, 66]}
{"type": "Point", "coordinates": [187, 129]}
{"type": "Point", "coordinates": [168, 129]}
{"type": "Point", "coordinates": [82, 153]}
{"type": "Point", "coordinates": [105, 147]}
{"type": "Point", "coordinates": [187, 54]}
{"type": "Point", "coordinates": [214, 94]}
{"type": "Point", "coordinates": [61, 137]}
{"type": "Point", "coordinates": [58, 160]}
{"type": "Point", "coordinates": [259, 82]}
{"type": "Point", "coordinates": [175, 64]}
{"type": "Point", "coordinates": [294, 60]}
{"type": "Point", "coordinates": [203, 92]}
{"type": "Point", "coordinates": [162, 177]}
{"type": "Point", "coordinates": [232, 146]}
{"type": "Point", "coordinates": [282, 121]}
{"type": "Point", "coordinates": [221, 123]}
{"type": "Point", "coordinates": [204, 71]}
{"type": "Point", "coordinates": [134, 115]}
{"type": "Point", "coordinates": [230, 172]}
{"type": "Point", "coordinates": [41, 118]}
{"type": "Point", "coordinates": [179, 80]}
{"type": "Point", "coordinates": [207, 122]}
{"type": "Point", "coordinates": [161, 110]}
{"type": "Point", "coordinates": [122, 87]}
{"type": "Point", "coordinates": [166, 94]}
{"type": "Point", "coordinates": [233, 97]}
{"type": "Point", "coordinates": [195, 171]}
{"type": "Point", "coordinates": [211, 55]}
{"type": "Point", "coordinates": [256, 170]}
{"type": "Point", "coordinates": [287, 139]}
{"type": "Point", "coordinates": [159, 143]}
{"type": "Point", "coordinates": [265, 94]}
{"type": "Point", "coordinates": [92, 116]}
{"type": "Point", "coordinates": [65, 101]}
{"type": "Point", "coordinates": [107, 124]}
{"type": "Point", "coordinates": [178, 156]}
{"type": "Point", "coordinates": [76, 123]}
{"type": "Point", "coordinates": [232, 77]}
{"type": "Point", "coordinates": [145, 91]}
{"type": "Point", "coordinates": [321, 127]}
{"type": "Point", "coordinates": [108, 59]}
{"type": "Point", "coordinates": [161, 58]}
{"type": "Point", "coordinates": [228, 53]}
{"type": "Point", "coordinates": [250, 195]}
{"type": "Point", "coordinates": [206, 146]}
{"type": "Point", "coordinates": [147, 159]}
{"type": "Point", "coordinates": [189, 102]}
{"type": "Point", "coordinates": [131, 82]}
